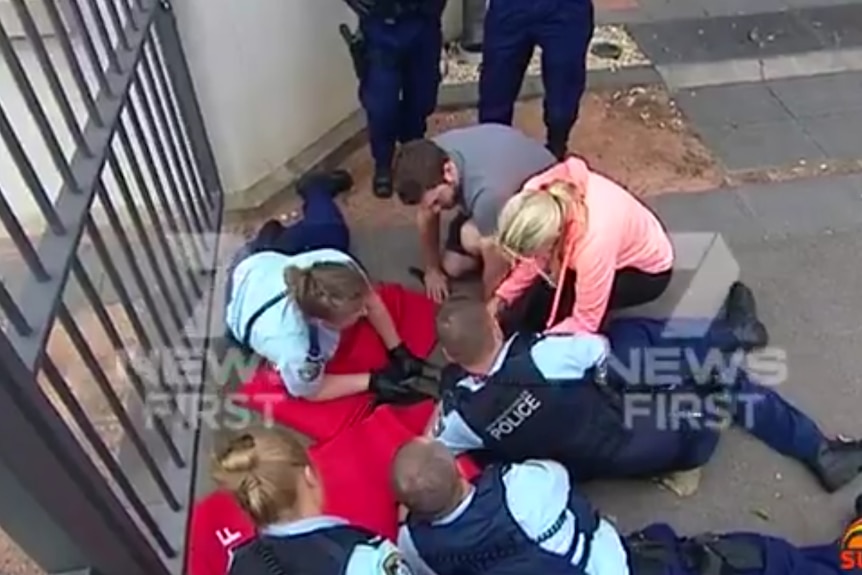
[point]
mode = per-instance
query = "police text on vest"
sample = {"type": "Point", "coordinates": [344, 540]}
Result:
{"type": "Point", "coordinates": [516, 414]}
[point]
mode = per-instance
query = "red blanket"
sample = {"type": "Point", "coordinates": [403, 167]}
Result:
{"type": "Point", "coordinates": [218, 525]}
{"type": "Point", "coordinates": [360, 350]}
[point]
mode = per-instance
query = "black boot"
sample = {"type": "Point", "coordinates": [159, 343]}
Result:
{"type": "Point", "coordinates": [745, 327]}
{"type": "Point", "coordinates": [838, 463]}
{"type": "Point", "coordinates": [382, 185]}
{"type": "Point", "coordinates": [558, 143]}
{"type": "Point", "coordinates": [337, 181]}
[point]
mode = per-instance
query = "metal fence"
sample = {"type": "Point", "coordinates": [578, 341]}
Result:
{"type": "Point", "coordinates": [111, 205]}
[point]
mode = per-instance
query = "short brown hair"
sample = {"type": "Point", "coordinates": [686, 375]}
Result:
{"type": "Point", "coordinates": [425, 478]}
{"type": "Point", "coordinates": [465, 330]}
{"type": "Point", "coordinates": [327, 290]}
{"type": "Point", "coordinates": [418, 167]}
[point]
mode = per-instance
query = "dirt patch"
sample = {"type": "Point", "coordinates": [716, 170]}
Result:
{"type": "Point", "coordinates": [13, 560]}
{"type": "Point", "coordinates": [637, 137]}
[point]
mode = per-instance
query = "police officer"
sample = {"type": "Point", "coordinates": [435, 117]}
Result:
{"type": "Point", "coordinates": [271, 477]}
{"type": "Point", "coordinates": [288, 305]}
{"type": "Point", "coordinates": [513, 28]}
{"type": "Point", "coordinates": [527, 518]}
{"type": "Point", "coordinates": [396, 54]}
{"type": "Point", "coordinates": [554, 397]}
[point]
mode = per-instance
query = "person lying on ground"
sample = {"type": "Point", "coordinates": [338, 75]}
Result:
{"type": "Point", "coordinates": [271, 477]}
{"type": "Point", "coordinates": [293, 290]}
{"type": "Point", "coordinates": [528, 518]}
{"type": "Point", "coordinates": [473, 170]}
{"type": "Point", "coordinates": [583, 400]}
{"type": "Point", "coordinates": [580, 245]}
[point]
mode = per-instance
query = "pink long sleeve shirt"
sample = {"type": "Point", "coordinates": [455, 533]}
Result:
{"type": "Point", "coordinates": [621, 233]}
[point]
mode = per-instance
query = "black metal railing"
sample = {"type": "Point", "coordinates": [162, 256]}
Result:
{"type": "Point", "coordinates": [110, 216]}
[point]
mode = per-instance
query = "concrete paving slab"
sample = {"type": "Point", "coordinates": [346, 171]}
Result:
{"type": "Point", "coordinates": [733, 105]}
{"type": "Point", "coordinates": [817, 95]}
{"type": "Point", "coordinates": [814, 3]}
{"type": "Point", "coordinates": [742, 7]}
{"type": "Point", "coordinates": [790, 208]}
{"type": "Point", "coordinates": [746, 479]}
{"type": "Point", "coordinates": [720, 211]}
{"type": "Point", "coordinates": [835, 26]}
{"type": "Point", "coordinates": [725, 38]}
{"type": "Point", "coordinates": [839, 135]}
{"type": "Point", "coordinates": [663, 9]}
{"type": "Point", "coordinates": [755, 146]}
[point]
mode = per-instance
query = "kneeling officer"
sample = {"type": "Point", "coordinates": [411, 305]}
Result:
{"type": "Point", "coordinates": [553, 397]}
{"type": "Point", "coordinates": [526, 518]}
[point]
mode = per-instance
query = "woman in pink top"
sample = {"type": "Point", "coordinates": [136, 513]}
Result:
{"type": "Point", "coordinates": [581, 245]}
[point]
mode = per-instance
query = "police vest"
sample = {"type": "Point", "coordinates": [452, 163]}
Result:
{"type": "Point", "coordinates": [486, 540]}
{"type": "Point", "coordinates": [320, 552]}
{"type": "Point", "coordinates": [519, 414]}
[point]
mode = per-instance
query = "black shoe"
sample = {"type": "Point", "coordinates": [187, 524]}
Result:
{"type": "Point", "coordinates": [857, 507]}
{"type": "Point", "coordinates": [741, 316]}
{"type": "Point", "coordinates": [382, 185]}
{"type": "Point", "coordinates": [559, 149]}
{"type": "Point", "coordinates": [336, 181]}
{"type": "Point", "coordinates": [838, 463]}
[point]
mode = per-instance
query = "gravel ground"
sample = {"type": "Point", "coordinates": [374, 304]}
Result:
{"type": "Point", "coordinates": [462, 69]}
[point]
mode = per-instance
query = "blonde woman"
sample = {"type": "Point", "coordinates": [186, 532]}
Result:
{"type": "Point", "coordinates": [270, 475]}
{"type": "Point", "coordinates": [580, 245]}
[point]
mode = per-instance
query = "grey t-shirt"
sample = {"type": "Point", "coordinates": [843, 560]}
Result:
{"type": "Point", "coordinates": [494, 161]}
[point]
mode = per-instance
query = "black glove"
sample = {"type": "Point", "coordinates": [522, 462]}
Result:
{"type": "Point", "coordinates": [388, 387]}
{"type": "Point", "coordinates": [405, 363]}
{"type": "Point", "coordinates": [361, 7]}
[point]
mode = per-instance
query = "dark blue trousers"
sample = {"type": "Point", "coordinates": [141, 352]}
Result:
{"type": "Point", "coordinates": [399, 90]}
{"type": "Point", "coordinates": [322, 226]}
{"type": "Point", "coordinates": [643, 355]}
{"type": "Point", "coordinates": [513, 28]}
{"type": "Point", "coordinates": [780, 557]}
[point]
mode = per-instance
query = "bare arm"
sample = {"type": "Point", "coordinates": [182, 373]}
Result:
{"type": "Point", "coordinates": [382, 321]}
{"type": "Point", "coordinates": [429, 236]}
{"type": "Point", "coordinates": [495, 267]}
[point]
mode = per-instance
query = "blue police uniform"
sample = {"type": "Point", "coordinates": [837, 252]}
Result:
{"type": "Point", "coordinates": [265, 318]}
{"type": "Point", "coordinates": [317, 546]}
{"type": "Point", "coordinates": [543, 384]}
{"type": "Point", "coordinates": [399, 83]}
{"type": "Point", "coordinates": [322, 224]}
{"type": "Point", "coordinates": [517, 519]}
{"type": "Point", "coordinates": [525, 518]}
{"type": "Point", "coordinates": [513, 28]}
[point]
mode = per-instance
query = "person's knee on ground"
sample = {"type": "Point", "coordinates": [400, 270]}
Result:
{"type": "Point", "coordinates": [457, 265]}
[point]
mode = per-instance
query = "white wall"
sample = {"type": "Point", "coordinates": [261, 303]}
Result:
{"type": "Point", "coordinates": [272, 77]}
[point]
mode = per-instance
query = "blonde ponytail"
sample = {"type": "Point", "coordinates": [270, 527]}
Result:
{"type": "Point", "coordinates": [262, 470]}
{"type": "Point", "coordinates": [532, 219]}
